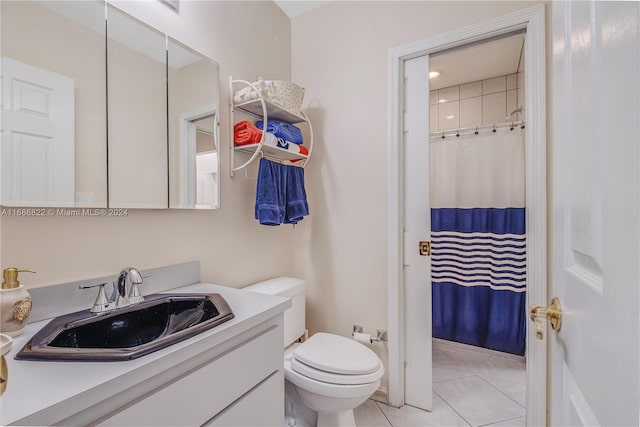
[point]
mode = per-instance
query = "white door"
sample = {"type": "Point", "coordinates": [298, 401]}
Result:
{"type": "Point", "coordinates": [37, 136]}
{"type": "Point", "coordinates": [595, 94]}
{"type": "Point", "coordinates": [417, 227]}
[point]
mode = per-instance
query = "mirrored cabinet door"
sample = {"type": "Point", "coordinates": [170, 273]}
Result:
{"type": "Point", "coordinates": [137, 113]}
{"type": "Point", "coordinates": [194, 162]}
{"type": "Point", "coordinates": [53, 104]}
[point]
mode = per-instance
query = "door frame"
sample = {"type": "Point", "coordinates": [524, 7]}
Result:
{"type": "Point", "coordinates": [532, 20]}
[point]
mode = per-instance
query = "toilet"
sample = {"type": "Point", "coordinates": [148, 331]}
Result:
{"type": "Point", "coordinates": [327, 375]}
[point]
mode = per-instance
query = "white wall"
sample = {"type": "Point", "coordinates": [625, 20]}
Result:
{"type": "Point", "coordinates": [339, 54]}
{"type": "Point", "coordinates": [247, 39]}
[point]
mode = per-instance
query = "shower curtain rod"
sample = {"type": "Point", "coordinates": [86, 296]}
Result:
{"type": "Point", "coordinates": [476, 129]}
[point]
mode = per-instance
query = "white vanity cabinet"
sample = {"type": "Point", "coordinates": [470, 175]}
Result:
{"type": "Point", "coordinates": [241, 386]}
{"type": "Point", "coordinates": [231, 375]}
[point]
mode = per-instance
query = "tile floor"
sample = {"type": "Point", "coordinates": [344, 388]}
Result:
{"type": "Point", "coordinates": [471, 387]}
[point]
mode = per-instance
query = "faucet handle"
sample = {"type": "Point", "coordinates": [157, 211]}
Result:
{"type": "Point", "coordinates": [135, 295]}
{"type": "Point", "coordinates": [101, 303]}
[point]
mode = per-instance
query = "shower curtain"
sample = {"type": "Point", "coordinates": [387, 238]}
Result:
{"type": "Point", "coordinates": [478, 262]}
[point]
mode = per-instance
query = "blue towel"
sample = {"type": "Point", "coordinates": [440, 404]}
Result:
{"type": "Point", "coordinates": [296, 196]}
{"type": "Point", "coordinates": [283, 130]}
{"type": "Point", "coordinates": [280, 194]}
{"type": "Point", "coordinates": [270, 195]}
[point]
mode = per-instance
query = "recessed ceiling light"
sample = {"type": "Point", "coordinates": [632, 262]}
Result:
{"type": "Point", "coordinates": [450, 116]}
{"type": "Point", "coordinates": [433, 74]}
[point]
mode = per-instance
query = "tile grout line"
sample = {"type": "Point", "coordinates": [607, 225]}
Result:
{"type": "Point", "coordinates": [502, 421]}
{"type": "Point", "coordinates": [383, 414]}
{"type": "Point", "coordinates": [455, 378]}
{"type": "Point", "coordinates": [452, 408]}
{"type": "Point", "coordinates": [502, 393]}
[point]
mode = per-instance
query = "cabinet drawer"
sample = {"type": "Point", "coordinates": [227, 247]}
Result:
{"type": "Point", "coordinates": [203, 393]}
{"type": "Point", "coordinates": [262, 406]}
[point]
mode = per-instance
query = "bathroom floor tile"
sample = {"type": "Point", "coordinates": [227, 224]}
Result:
{"type": "Point", "coordinates": [446, 368]}
{"type": "Point", "coordinates": [369, 414]}
{"type": "Point", "coordinates": [442, 415]}
{"type": "Point", "coordinates": [516, 422]}
{"type": "Point", "coordinates": [477, 401]}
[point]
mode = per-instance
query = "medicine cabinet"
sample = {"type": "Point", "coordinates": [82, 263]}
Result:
{"type": "Point", "coordinates": [104, 116]}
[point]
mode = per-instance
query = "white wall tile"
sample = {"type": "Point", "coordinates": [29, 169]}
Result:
{"type": "Point", "coordinates": [521, 80]}
{"type": "Point", "coordinates": [493, 108]}
{"type": "Point", "coordinates": [449, 94]}
{"type": "Point", "coordinates": [433, 97]}
{"type": "Point", "coordinates": [470, 90]}
{"type": "Point", "coordinates": [448, 115]}
{"type": "Point", "coordinates": [521, 102]}
{"type": "Point", "coordinates": [512, 104]}
{"type": "Point", "coordinates": [433, 118]}
{"type": "Point", "coordinates": [512, 81]}
{"type": "Point", "coordinates": [471, 112]}
{"type": "Point", "coordinates": [497, 84]}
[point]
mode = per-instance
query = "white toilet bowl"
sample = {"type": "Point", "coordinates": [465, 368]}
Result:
{"type": "Point", "coordinates": [333, 375]}
{"type": "Point", "coordinates": [326, 376]}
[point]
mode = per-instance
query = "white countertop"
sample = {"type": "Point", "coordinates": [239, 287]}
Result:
{"type": "Point", "coordinates": [53, 388]}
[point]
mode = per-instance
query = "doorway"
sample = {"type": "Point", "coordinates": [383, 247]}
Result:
{"type": "Point", "coordinates": [410, 347]}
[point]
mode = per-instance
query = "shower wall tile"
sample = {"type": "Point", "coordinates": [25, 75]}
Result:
{"type": "Point", "coordinates": [480, 103]}
{"type": "Point", "coordinates": [512, 104]}
{"type": "Point", "coordinates": [470, 90]}
{"type": "Point", "coordinates": [521, 102]}
{"type": "Point", "coordinates": [521, 80]}
{"type": "Point", "coordinates": [497, 84]}
{"type": "Point", "coordinates": [448, 94]}
{"type": "Point", "coordinates": [471, 112]}
{"type": "Point", "coordinates": [433, 118]}
{"type": "Point", "coordinates": [448, 115]}
{"type": "Point", "coordinates": [494, 108]}
{"type": "Point", "coordinates": [433, 97]}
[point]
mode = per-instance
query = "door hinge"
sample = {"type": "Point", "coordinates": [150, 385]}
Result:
{"type": "Point", "coordinates": [425, 248]}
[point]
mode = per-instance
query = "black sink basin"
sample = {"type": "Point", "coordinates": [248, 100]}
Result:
{"type": "Point", "coordinates": [127, 333]}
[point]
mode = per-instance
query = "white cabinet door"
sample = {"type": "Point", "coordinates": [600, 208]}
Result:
{"type": "Point", "coordinates": [205, 392]}
{"type": "Point", "coordinates": [38, 149]}
{"type": "Point", "coordinates": [596, 217]}
{"type": "Point", "coordinates": [263, 406]}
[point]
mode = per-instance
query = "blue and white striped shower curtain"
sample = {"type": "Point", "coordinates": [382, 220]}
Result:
{"type": "Point", "coordinates": [478, 263]}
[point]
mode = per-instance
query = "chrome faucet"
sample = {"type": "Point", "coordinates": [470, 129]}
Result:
{"type": "Point", "coordinates": [119, 297]}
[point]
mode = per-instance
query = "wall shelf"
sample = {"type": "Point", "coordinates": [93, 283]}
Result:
{"type": "Point", "coordinates": [262, 108]}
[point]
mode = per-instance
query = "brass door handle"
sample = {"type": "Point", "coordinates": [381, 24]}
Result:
{"type": "Point", "coordinates": [552, 312]}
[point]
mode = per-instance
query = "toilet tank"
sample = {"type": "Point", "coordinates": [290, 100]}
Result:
{"type": "Point", "coordinates": [294, 317]}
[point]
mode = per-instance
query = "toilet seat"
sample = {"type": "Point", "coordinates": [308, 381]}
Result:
{"type": "Point", "coordinates": [333, 359]}
{"type": "Point", "coordinates": [338, 355]}
{"type": "Point", "coordinates": [338, 391]}
{"type": "Point", "coordinates": [333, 378]}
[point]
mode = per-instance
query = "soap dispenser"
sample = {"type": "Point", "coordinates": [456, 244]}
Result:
{"type": "Point", "coordinates": [15, 303]}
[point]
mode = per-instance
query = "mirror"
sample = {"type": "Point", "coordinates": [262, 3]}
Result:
{"type": "Point", "coordinates": [137, 108]}
{"type": "Point", "coordinates": [193, 129]}
{"type": "Point", "coordinates": [54, 104]}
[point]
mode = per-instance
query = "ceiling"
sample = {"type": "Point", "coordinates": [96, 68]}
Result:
{"type": "Point", "coordinates": [460, 65]}
{"type": "Point", "coordinates": [478, 62]}
{"type": "Point", "coordinates": [297, 7]}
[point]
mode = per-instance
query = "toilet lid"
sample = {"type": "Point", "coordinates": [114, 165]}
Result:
{"type": "Point", "coordinates": [338, 355]}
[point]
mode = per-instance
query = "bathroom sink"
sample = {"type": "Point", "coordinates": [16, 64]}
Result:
{"type": "Point", "coordinates": [127, 333]}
